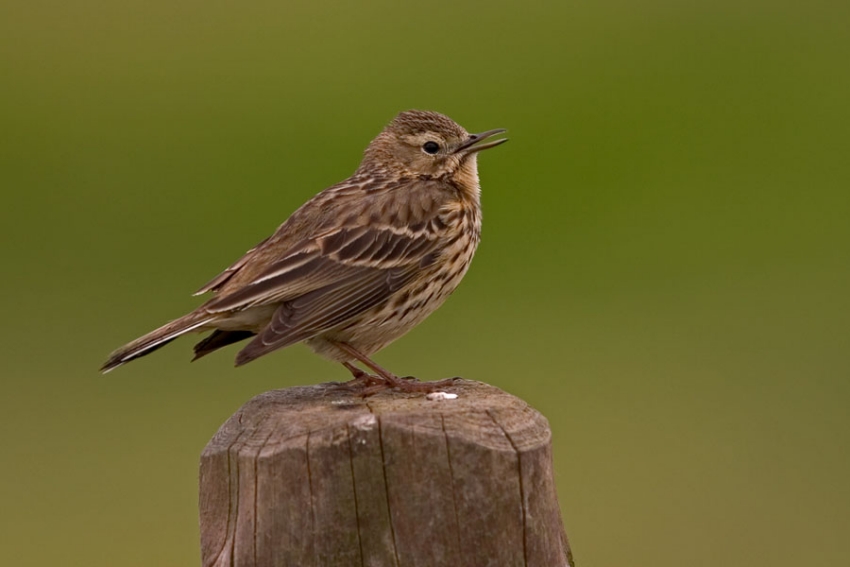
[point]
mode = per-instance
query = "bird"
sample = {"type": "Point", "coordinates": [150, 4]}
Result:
{"type": "Point", "coordinates": [358, 265]}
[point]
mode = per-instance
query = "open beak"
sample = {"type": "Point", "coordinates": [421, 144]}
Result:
{"type": "Point", "coordinates": [474, 143]}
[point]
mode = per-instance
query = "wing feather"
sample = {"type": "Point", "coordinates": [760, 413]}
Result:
{"type": "Point", "coordinates": [325, 308]}
{"type": "Point", "coordinates": [311, 268]}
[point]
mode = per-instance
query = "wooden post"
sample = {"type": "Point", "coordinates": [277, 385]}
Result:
{"type": "Point", "coordinates": [315, 476]}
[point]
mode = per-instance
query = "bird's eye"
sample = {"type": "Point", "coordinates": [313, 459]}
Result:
{"type": "Point", "coordinates": [431, 147]}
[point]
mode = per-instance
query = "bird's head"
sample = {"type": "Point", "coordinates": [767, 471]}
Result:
{"type": "Point", "coordinates": [419, 143]}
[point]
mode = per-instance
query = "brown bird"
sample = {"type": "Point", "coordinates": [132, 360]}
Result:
{"type": "Point", "coordinates": [358, 265]}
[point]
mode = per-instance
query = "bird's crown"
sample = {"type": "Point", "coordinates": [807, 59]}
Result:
{"type": "Point", "coordinates": [413, 122]}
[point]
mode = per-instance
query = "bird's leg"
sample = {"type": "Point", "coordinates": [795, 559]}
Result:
{"type": "Point", "coordinates": [356, 372]}
{"type": "Point", "coordinates": [393, 381]}
{"type": "Point", "coordinates": [361, 378]}
{"type": "Point", "coordinates": [383, 373]}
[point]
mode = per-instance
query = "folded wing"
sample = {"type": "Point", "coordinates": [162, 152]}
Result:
{"type": "Point", "coordinates": [325, 282]}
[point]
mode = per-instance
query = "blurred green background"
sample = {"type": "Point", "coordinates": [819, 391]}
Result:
{"type": "Point", "coordinates": [664, 269]}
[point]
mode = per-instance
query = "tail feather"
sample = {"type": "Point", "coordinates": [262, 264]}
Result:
{"type": "Point", "coordinates": [154, 340]}
{"type": "Point", "coordinates": [219, 339]}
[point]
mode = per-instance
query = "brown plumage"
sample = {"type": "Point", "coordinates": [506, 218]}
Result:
{"type": "Point", "coordinates": [359, 264]}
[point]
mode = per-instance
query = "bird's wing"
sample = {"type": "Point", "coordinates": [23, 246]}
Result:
{"type": "Point", "coordinates": [306, 224]}
{"type": "Point", "coordinates": [349, 263]}
{"type": "Point", "coordinates": [286, 240]}
{"type": "Point", "coordinates": [353, 254]}
{"type": "Point", "coordinates": [325, 308]}
{"type": "Point", "coordinates": [336, 278]}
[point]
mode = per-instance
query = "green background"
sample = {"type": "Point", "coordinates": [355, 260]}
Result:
{"type": "Point", "coordinates": [664, 267]}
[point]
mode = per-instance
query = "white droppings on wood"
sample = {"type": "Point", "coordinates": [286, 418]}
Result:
{"type": "Point", "coordinates": [439, 396]}
{"type": "Point", "coordinates": [365, 422]}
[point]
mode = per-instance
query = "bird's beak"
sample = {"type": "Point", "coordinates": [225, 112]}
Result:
{"type": "Point", "coordinates": [473, 143]}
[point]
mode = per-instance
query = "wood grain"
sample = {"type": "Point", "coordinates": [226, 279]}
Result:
{"type": "Point", "coordinates": [317, 476]}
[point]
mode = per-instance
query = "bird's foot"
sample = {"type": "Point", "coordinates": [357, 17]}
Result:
{"type": "Point", "coordinates": [362, 381]}
{"type": "Point", "coordinates": [413, 384]}
{"type": "Point", "coordinates": [366, 384]}
{"type": "Point", "coordinates": [369, 385]}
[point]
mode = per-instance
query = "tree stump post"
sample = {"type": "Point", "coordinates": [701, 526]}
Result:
{"type": "Point", "coordinates": [315, 476]}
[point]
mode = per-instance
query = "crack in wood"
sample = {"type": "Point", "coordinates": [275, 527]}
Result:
{"type": "Point", "coordinates": [386, 484]}
{"type": "Point", "coordinates": [452, 477]}
{"type": "Point", "coordinates": [231, 520]}
{"type": "Point", "coordinates": [256, 488]}
{"type": "Point", "coordinates": [521, 488]}
{"type": "Point", "coordinates": [354, 491]}
{"type": "Point", "coordinates": [310, 485]}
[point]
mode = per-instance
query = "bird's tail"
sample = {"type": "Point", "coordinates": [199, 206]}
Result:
{"type": "Point", "coordinates": [155, 339]}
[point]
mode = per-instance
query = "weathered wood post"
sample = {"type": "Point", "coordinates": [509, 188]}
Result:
{"type": "Point", "coordinates": [315, 476]}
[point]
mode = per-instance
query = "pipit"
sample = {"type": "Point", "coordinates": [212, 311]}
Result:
{"type": "Point", "coordinates": [358, 265]}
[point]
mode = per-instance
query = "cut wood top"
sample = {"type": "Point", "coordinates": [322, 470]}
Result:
{"type": "Point", "coordinates": [481, 414]}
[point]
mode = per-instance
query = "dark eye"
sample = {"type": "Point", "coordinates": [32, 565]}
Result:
{"type": "Point", "coordinates": [431, 147]}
